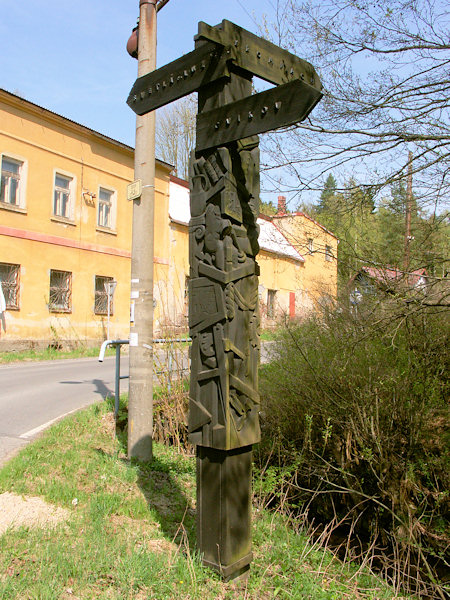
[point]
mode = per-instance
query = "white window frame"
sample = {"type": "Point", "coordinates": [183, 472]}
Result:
{"type": "Point", "coordinates": [23, 176]}
{"type": "Point", "coordinates": [72, 194]}
{"type": "Point", "coordinates": [328, 253]}
{"type": "Point", "coordinates": [66, 305]}
{"type": "Point", "coordinates": [113, 208]}
{"type": "Point", "coordinates": [310, 245]}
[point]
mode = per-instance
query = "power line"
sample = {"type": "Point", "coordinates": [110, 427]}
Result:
{"type": "Point", "coordinates": [247, 13]}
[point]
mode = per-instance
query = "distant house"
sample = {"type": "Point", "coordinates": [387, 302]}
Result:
{"type": "Point", "coordinates": [389, 280]}
{"type": "Point", "coordinates": [319, 246]}
{"type": "Point", "coordinates": [297, 259]}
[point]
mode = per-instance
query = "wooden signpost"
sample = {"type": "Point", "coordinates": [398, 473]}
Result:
{"type": "Point", "coordinates": [223, 245]}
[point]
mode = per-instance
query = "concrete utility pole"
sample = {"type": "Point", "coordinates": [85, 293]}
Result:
{"type": "Point", "coordinates": [408, 210]}
{"type": "Point", "coordinates": [140, 404]}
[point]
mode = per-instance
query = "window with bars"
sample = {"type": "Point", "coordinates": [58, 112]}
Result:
{"type": "Point", "coordinates": [60, 291]}
{"type": "Point", "coordinates": [10, 181]}
{"type": "Point", "coordinates": [310, 245]}
{"type": "Point", "coordinates": [105, 208]}
{"type": "Point", "coordinates": [62, 196]}
{"type": "Point", "coordinates": [328, 253]}
{"type": "Point", "coordinates": [10, 282]}
{"type": "Point", "coordinates": [102, 295]}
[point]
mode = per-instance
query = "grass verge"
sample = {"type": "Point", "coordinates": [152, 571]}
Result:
{"type": "Point", "coordinates": [51, 354]}
{"type": "Point", "coordinates": [131, 531]}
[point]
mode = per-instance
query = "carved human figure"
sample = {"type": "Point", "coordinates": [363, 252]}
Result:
{"type": "Point", "coordinates": [215, 230]}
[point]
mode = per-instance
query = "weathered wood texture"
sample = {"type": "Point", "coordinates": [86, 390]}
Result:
{"type": "Point", "coordinates": [223, 246]}
{"type": "Point", "coordinates": [223, 287]}
{"type": "Point", "coordinates": [259, 56]}
{"type": "Point", "coordinates": [278, 107]}
{"type": "Point", "coordinates": [219, 49]}
{"type": "Point", "coordinates": [179, 78]}
{"type": "Point", "coordinates": [224, 509]}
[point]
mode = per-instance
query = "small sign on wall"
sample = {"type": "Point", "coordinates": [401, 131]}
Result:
{"type": "Point", "coordinates": [134, 190]}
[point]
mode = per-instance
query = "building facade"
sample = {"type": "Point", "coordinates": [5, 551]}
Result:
{"type": "Point", "coordinates": [293, 280]}
{"type": "Point", "coordinates": [319, 247]}
{"type": "Point", "coordinates": [65, 238]}
{"type": "Point", "coordinates": [65, 228]}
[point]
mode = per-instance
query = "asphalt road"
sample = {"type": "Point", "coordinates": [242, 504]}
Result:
{"type": "Point", "coordinates": [33, 395]}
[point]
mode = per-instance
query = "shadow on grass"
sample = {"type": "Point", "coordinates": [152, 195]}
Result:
{"type": "Point", "coordinates": [167, 500]}
{"type": "Point", "coordinates": [166, 484]}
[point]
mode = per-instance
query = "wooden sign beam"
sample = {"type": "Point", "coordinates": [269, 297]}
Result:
{"type": "Point", "coordinates": [223, 246]}
{"type": "Point", "coordinates": [259, 56]}
{"type": "Point", "coordinates": [179, 78]}
{"type": "Point", "coordinates": [219, 49]}
{"type": "Point", "coordinates": [278, 107]}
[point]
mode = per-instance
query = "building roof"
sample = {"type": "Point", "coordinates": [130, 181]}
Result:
{"type": "Point", "coordinates": [15, 99]}
{"type": "Point", "coordinates": [270, 237]}
{"type": "Point", "coordinates": [389, 275]}
{"type": "Point", "coordinates": [302, 214]}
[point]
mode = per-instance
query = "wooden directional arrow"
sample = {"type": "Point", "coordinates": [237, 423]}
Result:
{"type": "Point", "coordinates": [219, 49]}
{"type": "Point", "coordinates": [259, 56]}
{"type": "Point", "coordinates": [278, 107]}
{"type": "Point", "coordinates": [179, 78]}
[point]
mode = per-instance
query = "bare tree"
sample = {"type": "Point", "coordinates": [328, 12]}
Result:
{"type": "Point", "coordinates": [175, 134]}
{"type": "Point", "coordinates": [385, 66]}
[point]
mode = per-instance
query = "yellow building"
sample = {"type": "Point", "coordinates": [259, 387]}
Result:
{"type": "Point", "coordinates": [65, 235]}
{"type": "Point", "coordinates": [292, 281]}
{"type": "Point", "coordinates": [320, 249]}
{"type": "Point", "coordinates": [65, 227]}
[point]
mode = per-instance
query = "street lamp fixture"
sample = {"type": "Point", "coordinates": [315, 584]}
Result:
{"type": "Point", "coordinates": [133, 40]}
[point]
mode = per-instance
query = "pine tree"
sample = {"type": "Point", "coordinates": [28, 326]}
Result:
{"type": "Point", "coordinates": [328, 193]}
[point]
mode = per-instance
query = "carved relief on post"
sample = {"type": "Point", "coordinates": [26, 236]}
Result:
{"type": "Point", "coordinates": [223, 292]}
{"type": "Point", "coordinates": [223, 244]}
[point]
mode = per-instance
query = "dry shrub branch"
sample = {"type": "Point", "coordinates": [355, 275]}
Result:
{"type": "Point", "coordinates": [355, 414]}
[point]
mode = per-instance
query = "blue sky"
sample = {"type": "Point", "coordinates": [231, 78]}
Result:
{"type": "Point", "coordinates": [70, 56]}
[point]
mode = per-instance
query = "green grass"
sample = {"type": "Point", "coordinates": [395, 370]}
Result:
{"type": "Point", "coordinates": [51, 354]}
{"type": "Point", "coordinates": [268, 335]}
{"type": "Point", "coordinates": [131, 534]}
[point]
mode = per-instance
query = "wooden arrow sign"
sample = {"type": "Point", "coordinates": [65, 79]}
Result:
{"type": "Point", "coordinates": [179, 78]}
{"type": "Point", "coordinates": [278, 107]}
{"type": "Point", "coordinates": [259, 56]}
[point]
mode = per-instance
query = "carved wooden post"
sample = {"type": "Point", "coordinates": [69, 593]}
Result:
{"type": "Point", "coordinates": [223, 321]}
{"type": "Point", "coordinates": [223, 244]}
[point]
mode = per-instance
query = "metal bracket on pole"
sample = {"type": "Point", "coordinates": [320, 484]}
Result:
{"type": "Point", "coordinates": [117, 345]}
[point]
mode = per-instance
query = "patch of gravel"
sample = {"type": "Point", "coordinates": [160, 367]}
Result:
{"type": "Point", "coordinates": [18, 511]}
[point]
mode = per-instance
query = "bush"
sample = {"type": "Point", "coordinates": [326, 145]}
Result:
{"type": "Point", "coordinates": [354, 409]}
{"type": "Point", "coordinates": [170, 409]}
